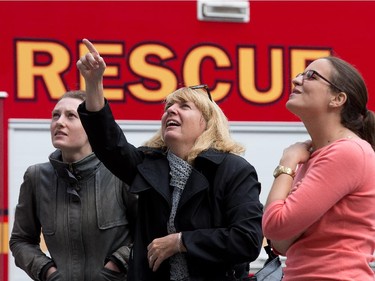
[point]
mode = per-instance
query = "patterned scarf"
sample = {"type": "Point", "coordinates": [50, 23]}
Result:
{"type": "Point", "coordinates": [180, 172]}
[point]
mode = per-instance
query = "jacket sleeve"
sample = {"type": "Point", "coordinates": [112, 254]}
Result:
{"type": "Point", "coordinates": [131, 205]}
{"type": "Point", "coordinates": [121, 256]}
{"type": "Point", "coordinates": [109, 142]}
{"type": "Point", "coordinates": [236, 236]}
{"type": "Point", "coordinates": [25, 236]}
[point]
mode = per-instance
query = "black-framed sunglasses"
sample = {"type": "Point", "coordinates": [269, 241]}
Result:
{"type": "Point", "coordinates": [203, 86]}
{"type": "Point", "coordinates": [309, 74]}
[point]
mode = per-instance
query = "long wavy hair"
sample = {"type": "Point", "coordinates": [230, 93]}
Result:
{"type": "Point", "coordinates": [217, 134]}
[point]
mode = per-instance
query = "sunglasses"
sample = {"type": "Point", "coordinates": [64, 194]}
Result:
{"type": "Point", "coordinates": [204, 87]}
{"type": "Point", "coordinates": [309, 74]}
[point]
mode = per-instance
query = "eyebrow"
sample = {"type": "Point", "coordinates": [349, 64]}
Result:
{"type": "Point", "coordinates": [67, 111]}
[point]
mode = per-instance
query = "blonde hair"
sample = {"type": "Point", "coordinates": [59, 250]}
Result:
{"type": "Point", "coordinates": [216, 136]}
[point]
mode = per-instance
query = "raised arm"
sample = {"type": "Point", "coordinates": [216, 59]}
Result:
{"type": "Point", "coordinates": [292, 156]}
{"type": "Point", "coordinates": [92, 67]}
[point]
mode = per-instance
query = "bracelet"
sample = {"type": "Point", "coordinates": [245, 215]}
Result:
{"type": "Point", "coordinates": [283, 170]}
{"type": "Point", "coordinates": [179, 242]}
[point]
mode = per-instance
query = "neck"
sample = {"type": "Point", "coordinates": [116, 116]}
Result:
{"type": "Point", "coordinates": [179, 154]}
{"type": "Point", "coordinates": [180, 150]}
{"type": "Point", "coordinates": [74, 156]}
{"type": "Point", "coordinates": [328, 134]}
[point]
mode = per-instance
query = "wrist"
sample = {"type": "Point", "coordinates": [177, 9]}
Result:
{"type": "Point", "coordinates": [179, 242]}
{"type": "Point", "coordinates": [281, 169]}
{"type": "Point", "coordinates": [117, 263]}
{"type": "Point", "coordinates": [180, 246]}
{"type": "Point", "coordinates": [45, 272]}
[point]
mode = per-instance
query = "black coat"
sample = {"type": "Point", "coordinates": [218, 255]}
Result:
{"type": "Point", "coordinates": [219, 213]}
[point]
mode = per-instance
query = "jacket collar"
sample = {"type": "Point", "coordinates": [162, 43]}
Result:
{"type": "Point", "coordinates": [156, 174]}
{"type": "Point", "coordinates": [211, 155]}
{"type": "Point", "coordinates": [75, 171]}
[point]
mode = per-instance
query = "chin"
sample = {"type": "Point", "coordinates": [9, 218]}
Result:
{"type": "Point", "coordinates": [58, 145]}
{"type": "Point", "coordinates": [169, 139]}
{"type": "Point", "coordinates": [290, 104]}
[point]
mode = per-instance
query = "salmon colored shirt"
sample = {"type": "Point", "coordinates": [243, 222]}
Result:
{"type": "Point", "coordinates": [332, 203]}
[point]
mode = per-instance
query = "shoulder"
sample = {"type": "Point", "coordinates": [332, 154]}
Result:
{"type": "Point", "coordinates": [345, 155]}
{"type": "Point", "coordinates": [40, 167]}
{"type": "Point", "coordinates": [36, 173]}
{"type": "Point", "coordinates": [349, 149]}
{"type": "Point", "coordinates": [220, 158]}
{"type": "Point", "coordinates": [151, 152]}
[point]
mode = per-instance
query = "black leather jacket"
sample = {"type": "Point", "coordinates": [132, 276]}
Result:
{"type": "Point", "coordinates": [81, 209]}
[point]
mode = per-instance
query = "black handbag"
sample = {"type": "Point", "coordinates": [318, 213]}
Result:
{"type": "Point", "coordinates": [272, 269]}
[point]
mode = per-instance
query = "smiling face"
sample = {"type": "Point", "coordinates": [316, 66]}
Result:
{"type": "Point", "coordinates": [67, 132]}
{"type": "Point", "coordinates": [182, 124]}
{"type": "Point", "coordinates": [311, 96]}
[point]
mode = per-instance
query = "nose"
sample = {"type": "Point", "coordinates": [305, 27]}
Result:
{"type": "Point", "coordinates": [172, 109]}
{"type": "Point", "coordinates": [60, 122]}
{"type": "Point", "coordinates": [298, 80]}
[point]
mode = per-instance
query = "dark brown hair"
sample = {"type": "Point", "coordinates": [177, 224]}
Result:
{"type": "Point", "coordinates": [76, 94]}
{"type": "Point", "coordinates": [355, 115]}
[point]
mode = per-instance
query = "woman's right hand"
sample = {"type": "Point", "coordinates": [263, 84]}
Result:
{"type": "Point", "coordinates": [295, 154]}
{"type": "Point", "coordinates": [92, 67]}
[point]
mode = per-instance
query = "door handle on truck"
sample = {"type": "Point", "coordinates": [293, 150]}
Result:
{"type": "Point", "coordinates": [224, 10]}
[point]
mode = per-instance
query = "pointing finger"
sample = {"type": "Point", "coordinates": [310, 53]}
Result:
{"type": "Point", "coordinates": [90, 46]}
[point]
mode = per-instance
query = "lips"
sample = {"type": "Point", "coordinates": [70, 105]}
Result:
{"type": "Point", "coordinates": [170, 123]}
{"type": "Point", "coordinates": [60, 133]}
{"type": "Point", "coordinates": [296, 91]}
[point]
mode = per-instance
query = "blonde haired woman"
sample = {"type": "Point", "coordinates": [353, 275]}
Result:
{"type": "Point", "coordinates": [199, 211]}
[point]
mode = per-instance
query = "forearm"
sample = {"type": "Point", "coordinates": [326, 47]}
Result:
{"type": "Point", "coordinates": [29, 258]}
{"type": "Point", "coordinates": [282, 246]}
{"type": "Point", "coordinates": [24, 241]}
{"type": "Point", "coordinates": [222, 245]}
{"type": "Point", "coordinates": [121, 258]}
{"type": "Point", "coordinates": [95, 95]}
{"type": "Point", "coordinates": [109, 142]}
{"type": "Point", "coordinates": [291, 158]}
{"type": "Point", "coordinates": [280, 189]}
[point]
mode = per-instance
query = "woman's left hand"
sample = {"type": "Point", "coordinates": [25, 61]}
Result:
{"type": "Point", "coordinates": [112, 266]}
{"type": "Point", "coordinates": [161, 249]}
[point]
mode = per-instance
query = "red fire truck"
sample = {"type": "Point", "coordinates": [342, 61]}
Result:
{"type": "Point", "coordinates": [246, 51]}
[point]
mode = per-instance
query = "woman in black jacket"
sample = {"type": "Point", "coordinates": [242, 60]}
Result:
{"type": "Point", "coordinates": [199, 210]}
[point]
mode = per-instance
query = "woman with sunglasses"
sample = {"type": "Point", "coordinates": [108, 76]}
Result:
{"type": "Point", "coordinates": [199, 215]}
{"type": "Point", "coordinates": [320, 211]}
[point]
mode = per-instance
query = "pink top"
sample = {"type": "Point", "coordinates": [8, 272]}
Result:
{"type": "Point", "coordinates": [332, 203]}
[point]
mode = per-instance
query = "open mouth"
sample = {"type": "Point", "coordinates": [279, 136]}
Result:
{"type": "Point", "coordinates": [59, 133]}
{"type": "Point", "coordinates": [171, 123]}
